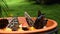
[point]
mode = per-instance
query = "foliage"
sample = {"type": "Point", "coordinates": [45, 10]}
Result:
{"type": "Point", "coordinates": [3, 8]}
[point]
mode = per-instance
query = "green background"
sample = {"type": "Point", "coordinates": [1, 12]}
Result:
{"type": "Point", "coordinates": [18, 7]}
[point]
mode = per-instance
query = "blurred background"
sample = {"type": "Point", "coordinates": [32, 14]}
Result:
{"type": "Point", "coordinates": [51, 8]}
